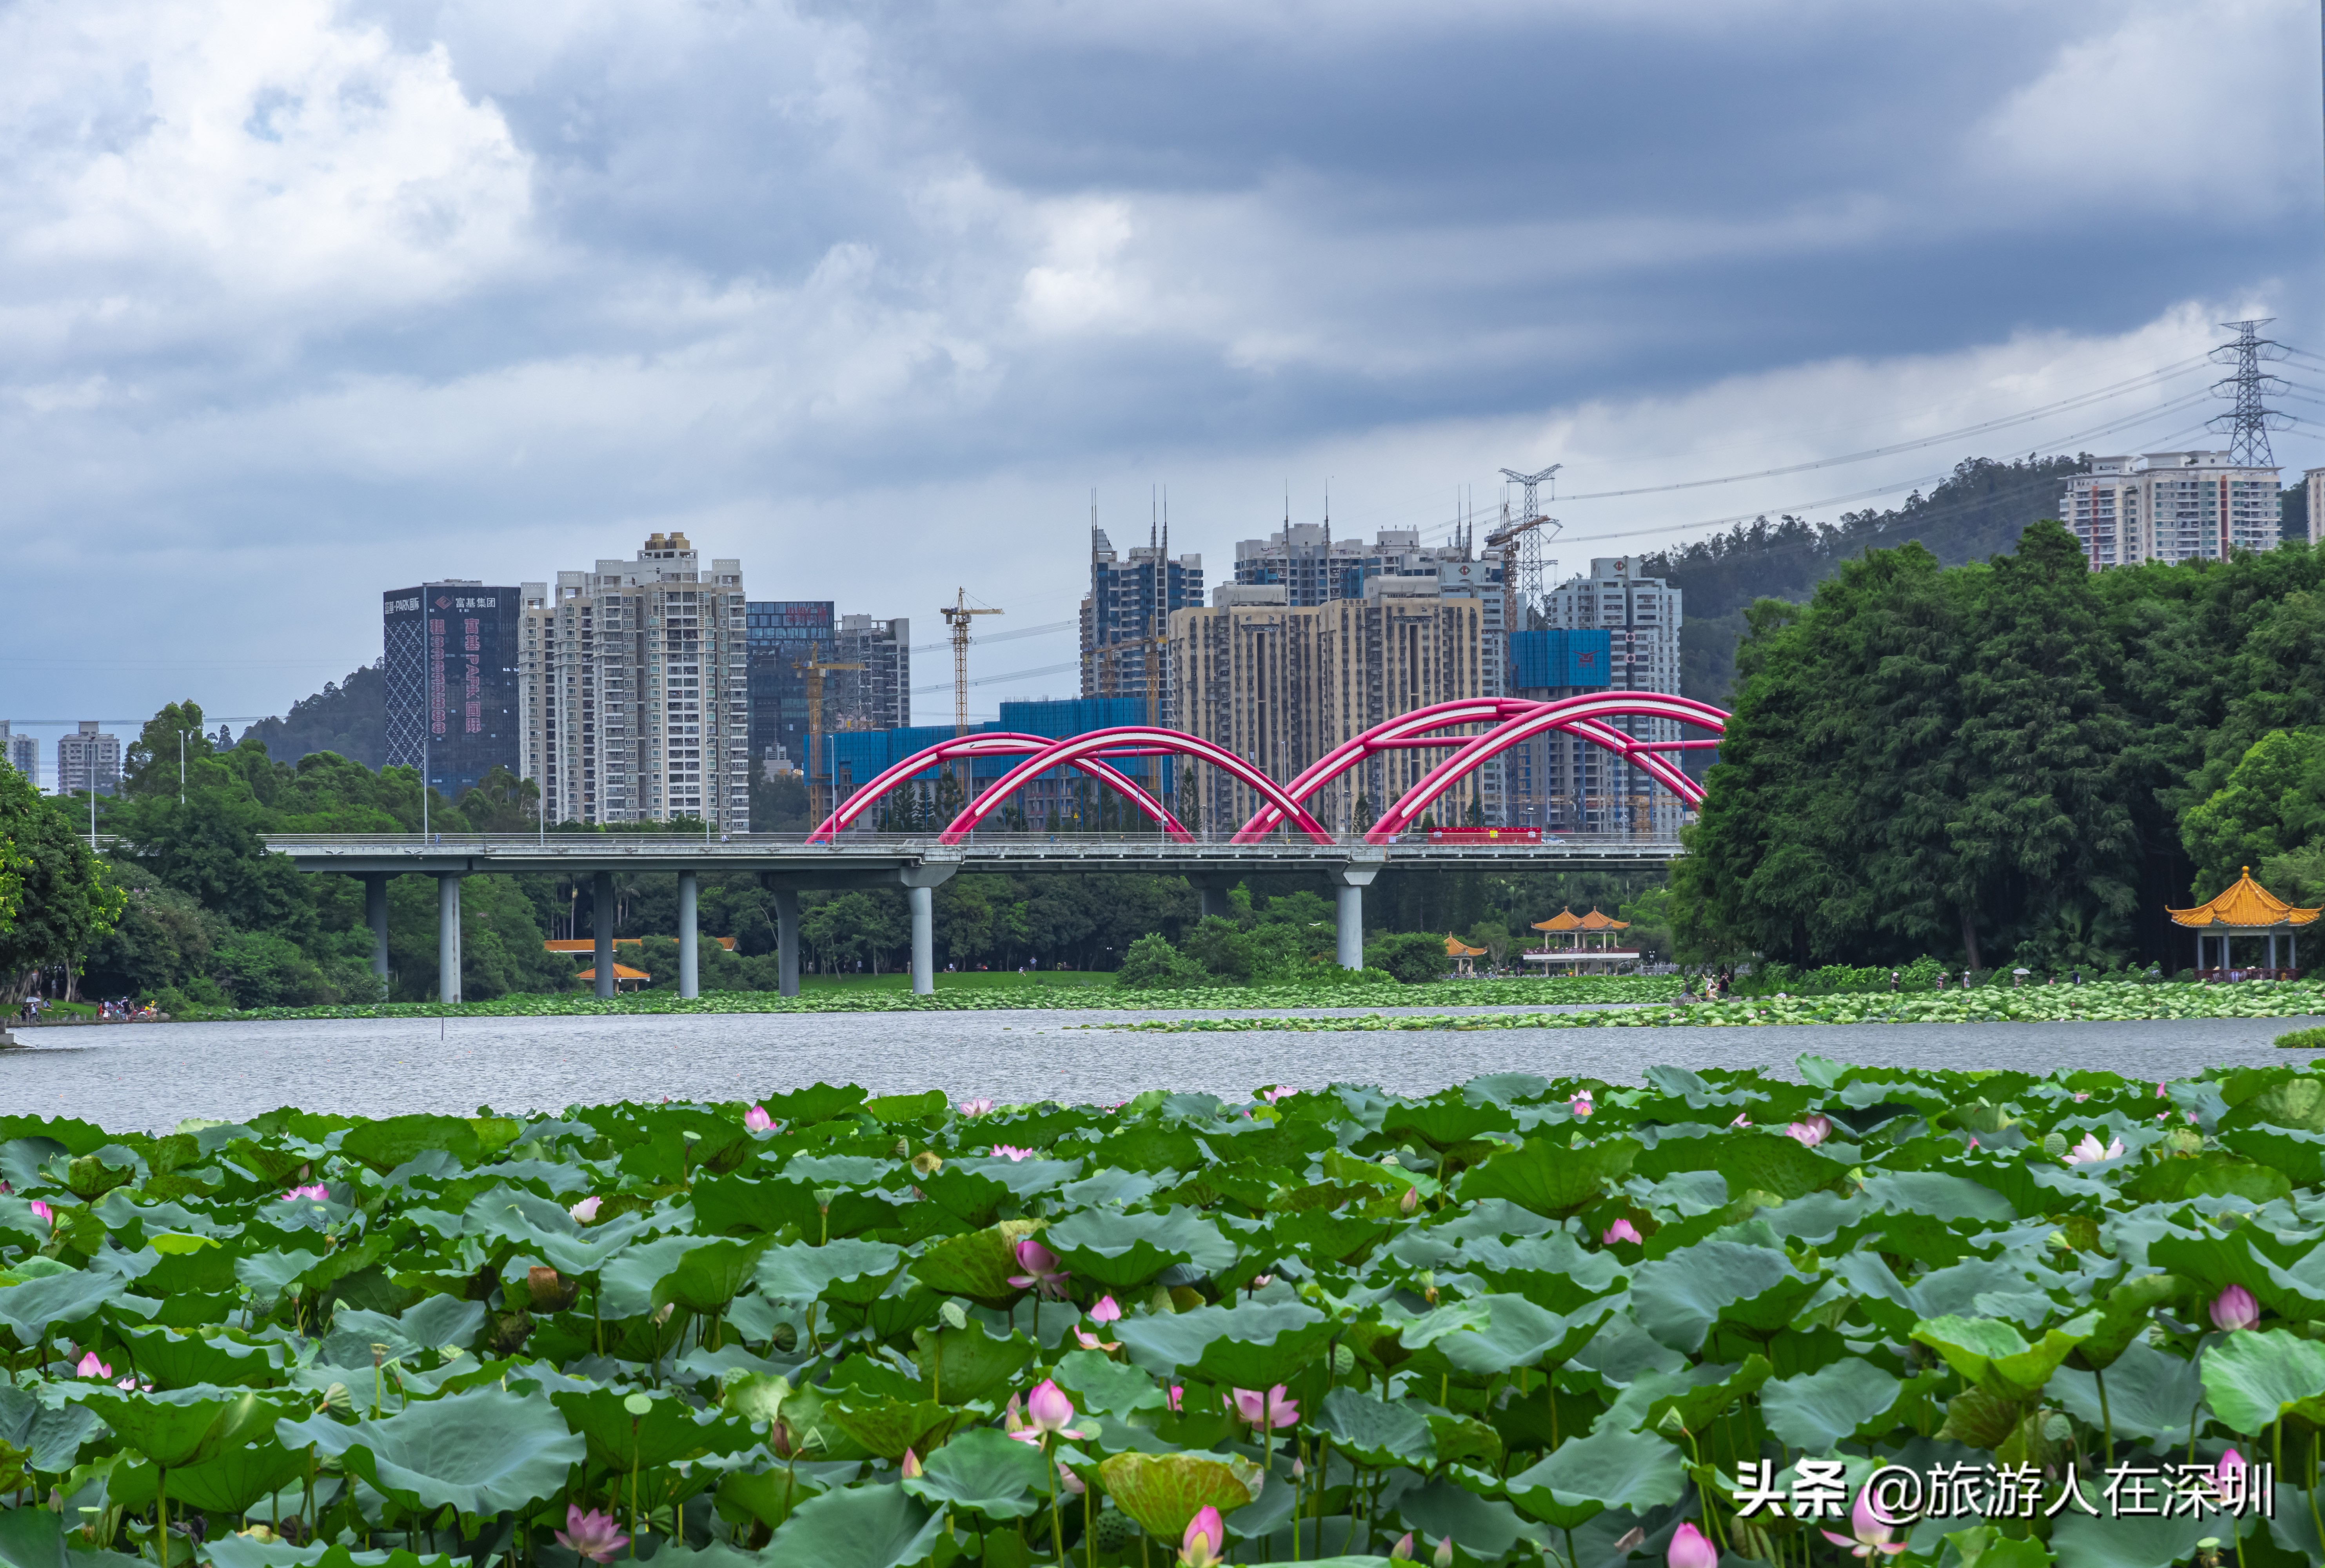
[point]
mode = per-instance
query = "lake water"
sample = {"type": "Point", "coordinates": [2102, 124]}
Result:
{"type": "Point", "coordinates": [149, 1076]}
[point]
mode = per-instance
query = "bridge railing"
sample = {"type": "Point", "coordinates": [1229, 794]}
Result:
{"type": "Point", "coordinates": [867, 842]}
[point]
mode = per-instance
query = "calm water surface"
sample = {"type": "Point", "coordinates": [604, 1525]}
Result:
{"type": "Point", "coordinates": [149, 1076]}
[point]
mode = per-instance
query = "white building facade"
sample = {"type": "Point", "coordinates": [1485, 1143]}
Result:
{"type": "Point", "coordinates": [2172, 506]}
{"type": "Point", "coordinates": [88, 760]}
{"type": "Point", "coordinates": [1594, 791]}
{"type": "Point", "coordinates": [637, 689]}
{"type": "Point", "coordinates": [21, 753]}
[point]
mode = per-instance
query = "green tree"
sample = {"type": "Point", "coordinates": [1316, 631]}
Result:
{"type": "Point", "coordinates": [150, 766]}
{"type": "Point", "coordinates": [1151, 963]}
{"type": "Point", "coordinates": [62, 902]}
{"type": "Point", "coordinates": [2272, 804]}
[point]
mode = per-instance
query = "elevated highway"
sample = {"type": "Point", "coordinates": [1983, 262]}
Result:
{"type": "Point", "coordinates": [790, 864]}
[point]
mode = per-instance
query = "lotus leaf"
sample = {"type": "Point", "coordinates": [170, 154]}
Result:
{"type": "Point", "coordinates": [1121, 1251]}
{"type": "Point", "coordinates": [872, 1526]}
{"type": "Point", "coordinates": [987, 1472]}
{"type": "Point", "coordinates": [1818, 1411]}
{"type": "Point", "coordinates": [479, 1452]}
{"type": "Point", "coordinates": [1610, 1469]}
{"type": "Point", "coordinates": [2258, 1376]}
{"type": "Point", "coordinates": [1550, 1178]}
{"type": "Point", "coordinates": [1164, 1491]}
{"type": "Point", "coordinates": [1253, 1345]}
{"type": "Point", "coordinates": [849, 1271]}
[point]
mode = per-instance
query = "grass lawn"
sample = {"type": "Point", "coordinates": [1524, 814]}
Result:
{"type": "Point", "coordinates": [970, 980]}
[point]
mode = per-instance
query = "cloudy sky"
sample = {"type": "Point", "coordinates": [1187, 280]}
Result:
{"type": "Point", "coordinates": [300, 300]}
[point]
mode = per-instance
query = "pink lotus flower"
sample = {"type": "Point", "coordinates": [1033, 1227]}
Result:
{"type": "Point", "coordinates": [1741, 1120]}
{"type": "Point", "coordinates": [1622, 1231]}
{"type": "Point", "coordinates": [2082, 1095]}
{"type": "Point", "coordinates": [2090, 1152]}
{"type": "Point", "coordinates": [592, 1535]}
{"type": "Point", "coordinates": [1872, 1535]}
{"type": "Point", "coordinates": [318, 1192]}
{"type": "Point", "coordinates": [1402, 1551]}
{"type": "Point", "coordinates": [91, 1367]}
{"type": "Point", "coordinates": [1068, 1482]}
{"type": "Point", "coordinates": [1010, 1152]}
{"type": "Point", "coordinates": [1272, 1409]}
{"type": "Point", "coordinates": [1810, 1133]}
{"type": "Point", "coordinates": [1580, 1104]}
{"type": "Point", "coordinates": [1973, 1141]}
{"type": "Point", "coordinates": [757, 1120]}
{"type": "Point", "coordinates": [1178, 1391]}
{"type": "Point", "coordinates": [975, 1107]}
{"type": "Point", "coordinates": [2235, 1308]}
{"type": "Point", "coordinates": [1443, 1556]}
{"type": "Point", "coordinates": [47, 1215]}
{"type": "Point", "coordinates": [2230, 1462]}
{"type": "Point", "coordinates": [1206, 1540]}
{"type": "Point", "coordinates": [2160, 1093]}
{"type": "Point", "coordinates": [1042, 1270]}
{"type": "Point", "coordinates": [1108, 1310]}
{"type": "Point", "coordinates": [1690, 1549]}
{"type": "Point", "coordinates": [1090, 1341]}
{"type": "Point", "coordinates": [1410, 1201]}
{"type": "Point", "coordinates": [913, 1471]}
{"type": "Point", "coordinates": [1048, 1410]}
{"type": "Point", "coordinates": [586, 1211]}
{"type": "Point", "coordinates": [1276, 1093]}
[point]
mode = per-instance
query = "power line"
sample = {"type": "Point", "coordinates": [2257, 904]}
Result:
{"type": "Point", "coordinates": [2248, 424]}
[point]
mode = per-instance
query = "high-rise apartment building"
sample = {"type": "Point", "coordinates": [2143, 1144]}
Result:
{"type": "Point", "coordinates": [1570, 784]}
{"type": "Point", "coordinates": [451, 664]}
{"type": "Point", "coordinates": [21, 753]}
{"type": "Point", "coordinates": [88, 760]}
{"type": "Point", "coordinates": [782, 637]}
{"type": "Point", "coordinates": [1279, 685]}
{"type": "Point", "coordinates": [878, 697]}
{"type": "Point", "coordinates": [2172, 506]}
{"type": "Point", "coordinates": [1125, 618]}
{"type": "Point", "coordinates": [2313, 495]}
{"type": "Point", "coordinates": [638, 703]}
{"type": "Point", "coordinates": [1315, 568]}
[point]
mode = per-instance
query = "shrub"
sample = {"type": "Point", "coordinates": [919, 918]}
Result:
{"type": "Point", "coordinates": [1413, 957]}
{"type": "Point", "coordinates": [2302, 1040]}
{"type": "Point", "coordinates": [1151, 963]}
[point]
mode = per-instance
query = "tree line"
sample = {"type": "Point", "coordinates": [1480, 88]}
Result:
{"type": "Point", "coordinates": [2019, 762]}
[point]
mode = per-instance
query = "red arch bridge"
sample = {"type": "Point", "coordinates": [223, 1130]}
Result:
{"type": "Point", "coordinates": [1282, 835]}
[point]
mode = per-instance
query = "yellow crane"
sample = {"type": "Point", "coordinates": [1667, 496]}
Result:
{"type": "Point", "coordinates": [957, 616]}
{"type": "Point", "coordinates": [815, 670]}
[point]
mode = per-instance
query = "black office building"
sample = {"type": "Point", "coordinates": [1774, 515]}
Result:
{"type": "Point", "coordinates": [782, 633]}
{"type": "Point", "coordinates": [451, 670]}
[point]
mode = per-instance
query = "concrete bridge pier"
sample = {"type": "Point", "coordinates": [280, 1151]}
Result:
{"type": "Point", "coordinates": [924, 901]}
{"type": "Point", "coordinates": [601, 918]}
{"type": "Point", "coordinates": [447, 935]}
{"type": "Point", "coordinates": [1348, 884]}
{"type": "Point", "coordinates": [376, 916]}
{"type": "Point", "coordinates": [689, 973]}
{"type": "Point", "coordinates": [1213, 891]}
{"type": "Point", "coordinates": [787, 918]}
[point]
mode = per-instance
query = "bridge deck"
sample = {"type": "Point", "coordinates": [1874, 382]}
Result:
{"type": "Point", "coordinates": [788, 855]}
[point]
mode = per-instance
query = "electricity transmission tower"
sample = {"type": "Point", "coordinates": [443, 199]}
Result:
{"type": "Point", "coordinates": [2249, 424]}
{"type": "Point", "coordinates": [1522, 579]}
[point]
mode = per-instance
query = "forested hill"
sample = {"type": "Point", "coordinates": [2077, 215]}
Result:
{"type": "Point", "coordinates": [1979, 511]}
{"type": "Point", "coordinates": [348, 716]}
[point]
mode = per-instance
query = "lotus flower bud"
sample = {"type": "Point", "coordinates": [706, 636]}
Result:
{"type": "Point", "coordinates": [1402, 1551]}
{"type": "Point", "coordinates": [757, 1120]}
{"type": "Point", "coordinates": [953, 1315]}
{"type": "Point", "coordinates": [904, 1148]}
{"type": "Point", "coordinates": [2235, 1308]}
{"type": "Point", "coordinates": [1622, 1231]}
{"type": "Point", "coordinates": [1444, 1555]}
{"type": "Point", "coordinates": [1690, 1549]}
{"type": "Point", "coordinates": [1410, 1201]}
{"type": "Point", "coordinates": [913, 1471]}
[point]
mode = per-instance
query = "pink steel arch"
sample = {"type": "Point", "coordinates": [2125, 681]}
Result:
{"type": "Point", "coordinates": [1134, 740]}
{"type": "Point", "coordinates": [1575, 715]}
{"type": "Point", "coordinates": [993, 743]}
{"type": "Point", "coordinates": [1578, 715]}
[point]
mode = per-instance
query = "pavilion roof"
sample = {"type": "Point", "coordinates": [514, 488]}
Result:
{"type": "Point", "coordinates": [621, 972]}
{"type": "Point", "coordinates": [1564, 920]}
{"type": "Point", "coordinates": [1595, 921]}
{"type": "Point", "coordinates": [2244, 904]}
{"type": "Point", "coordinates": [1455, 948]}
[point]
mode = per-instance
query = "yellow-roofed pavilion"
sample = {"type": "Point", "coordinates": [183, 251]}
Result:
{"type": "Point", "coordinates": [1463, 955]}
{"type": "Point", "coordinates": [2246, 909]}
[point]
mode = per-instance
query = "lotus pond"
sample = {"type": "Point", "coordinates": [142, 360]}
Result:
{"type": "Point", "coordinates": [1517, 1321]}
{"type": "Point", "coordinates": [2109, 1002]}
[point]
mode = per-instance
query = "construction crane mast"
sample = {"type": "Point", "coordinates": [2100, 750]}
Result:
{"type": "Point", "coordinates": [957, 616]}
{"type": "Point", "coordinates": [1522, 579]}
{"type": "Point", "coordinates": [814, 668]}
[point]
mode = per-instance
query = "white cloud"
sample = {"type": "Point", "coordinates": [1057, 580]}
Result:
{"type": "Point", "coordinates": [171, 174]}
{"type": "Point", "coordinates": [2177, 108]}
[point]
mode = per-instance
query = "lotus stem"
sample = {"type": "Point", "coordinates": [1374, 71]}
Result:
{"type": "Point", "coordinates": [2106, 1419]}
